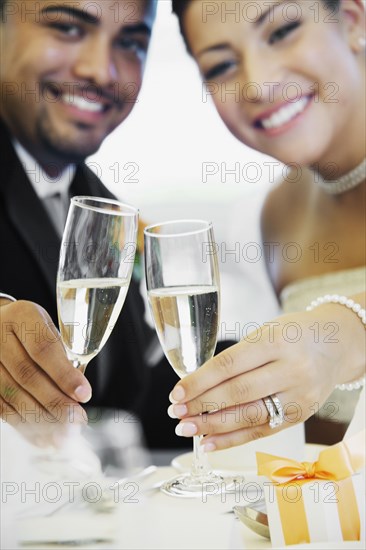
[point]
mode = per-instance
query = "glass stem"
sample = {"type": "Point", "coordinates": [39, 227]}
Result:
{"type": "Point", "coordinates": [78, 365]}
{"type": "Point", "coordinates": [200, 465]}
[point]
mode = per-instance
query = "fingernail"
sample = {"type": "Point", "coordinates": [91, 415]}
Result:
{"type": "Point", "coordinates": [208, 447]}
{"type": "Point", "coordinates": [177, 411]}
{"type": "Point", "coordinates": [177, 394]}
{"type": "Point", "coordinates": [186, 429]}
{"type": "Point", "coordinates": [83, 393]}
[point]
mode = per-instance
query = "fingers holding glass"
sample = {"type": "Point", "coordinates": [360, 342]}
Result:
{"type": "Point", "coordinates": [231, 426]}
{"type": "Point", "coordinates": [32, 349]}
{"type": "Point", "coordinates": [39, 388]}
{"type": "Point", "coordinates": [244, 388]}
{"type": "Point", "coordinates": [230, 363]}
{"type": "Point", "coordinates": [45, 423]}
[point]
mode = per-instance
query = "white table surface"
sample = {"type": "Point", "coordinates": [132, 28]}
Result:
{"type": "Point", "coordinates": [156, 521]}
{"type": "Point", "coordinates": [146, 521]}
{"type": "Point", "coordinates": [141, 519]}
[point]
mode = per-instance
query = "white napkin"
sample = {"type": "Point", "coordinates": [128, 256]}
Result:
{"type": "Point", "coordinates": [53, 495]}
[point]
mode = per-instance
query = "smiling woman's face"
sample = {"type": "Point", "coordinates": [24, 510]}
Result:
{"type": "Point", "coordinates": [285, 76]}
{"type": "Point", "coordinates": [71, 71]}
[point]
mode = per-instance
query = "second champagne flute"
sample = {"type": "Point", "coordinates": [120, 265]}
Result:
{"type": "Point", "coordinates": [182, 277]}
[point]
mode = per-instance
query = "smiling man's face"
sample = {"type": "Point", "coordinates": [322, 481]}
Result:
{"type": "Point", "coordinates": [71, 72]}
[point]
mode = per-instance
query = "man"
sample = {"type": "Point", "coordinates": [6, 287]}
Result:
{"type": "Point", "coordinates": [70, 73]}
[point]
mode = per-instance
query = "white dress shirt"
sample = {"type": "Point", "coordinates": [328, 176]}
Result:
{"type": "Point", "coordinates": [53, 192]}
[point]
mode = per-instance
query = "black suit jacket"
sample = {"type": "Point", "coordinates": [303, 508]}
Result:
{"type": "Point", "coordinates": [30, 249]}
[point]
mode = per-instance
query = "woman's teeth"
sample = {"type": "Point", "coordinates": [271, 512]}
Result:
{"type": "Point", "coordinates": [285, 114]}
{"type": "Point", "coordinates": [82, 103]}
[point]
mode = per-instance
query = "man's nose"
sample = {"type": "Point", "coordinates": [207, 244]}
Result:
{"type": "Point", "coordinates": [95, 62]}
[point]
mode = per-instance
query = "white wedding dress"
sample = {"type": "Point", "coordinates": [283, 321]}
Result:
{"type": "Point", "coordinates": [340, 406]}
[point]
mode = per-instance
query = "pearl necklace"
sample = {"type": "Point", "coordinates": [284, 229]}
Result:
{"type": "Point", "coordinates": [346, 182]}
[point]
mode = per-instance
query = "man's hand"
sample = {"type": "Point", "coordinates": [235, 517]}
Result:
{"type": "Point", "coordinates": [40, 390]}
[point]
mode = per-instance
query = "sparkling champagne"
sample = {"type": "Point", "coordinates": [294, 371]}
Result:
{"type": "Point", "coordinates": [186, 320]}
{"type": "Point", "coordinates": [88, 310]}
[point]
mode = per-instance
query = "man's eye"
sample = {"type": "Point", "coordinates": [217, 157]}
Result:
{"type": "Point", "coordinates": [133, 45]}
{"type": "Point", "coordinates": [282, 32]}
{"type": "Point", "coordinates": [68, 29]}
{"type": "Point", "coordinates": [218, 70]}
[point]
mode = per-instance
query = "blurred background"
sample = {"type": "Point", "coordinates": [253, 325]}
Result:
{"type": "Point", "coordinates": [173, 158]}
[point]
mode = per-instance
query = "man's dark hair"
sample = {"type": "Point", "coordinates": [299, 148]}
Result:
{"type": "Point", "coordinates": [2, 4]}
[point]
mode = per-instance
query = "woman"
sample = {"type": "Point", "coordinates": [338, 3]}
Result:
{"type": "Point", "coordinates": [298, 71]}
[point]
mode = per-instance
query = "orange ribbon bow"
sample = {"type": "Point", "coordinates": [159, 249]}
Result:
{"type": "Point", "coordinates": [335, 463]}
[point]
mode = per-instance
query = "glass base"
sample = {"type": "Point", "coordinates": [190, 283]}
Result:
{"type": "Point", "coordinates": [187, 485]}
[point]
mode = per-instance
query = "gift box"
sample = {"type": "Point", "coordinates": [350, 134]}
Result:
{"type": "Point", "coordinates": [323, 501]}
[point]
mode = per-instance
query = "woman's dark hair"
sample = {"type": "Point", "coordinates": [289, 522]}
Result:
{"type": "Point", "coordinates": [179, 7]}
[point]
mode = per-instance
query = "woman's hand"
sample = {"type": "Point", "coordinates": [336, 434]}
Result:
{"type": "Point", "coordinates": [40, 390]}
{"type": "Point", "coordinates": [299, 357]}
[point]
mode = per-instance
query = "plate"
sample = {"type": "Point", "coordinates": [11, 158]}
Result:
{"type": "Point", "coordinates": [239, 459]}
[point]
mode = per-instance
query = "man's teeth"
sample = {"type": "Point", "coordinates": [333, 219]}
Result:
{"type": "Point", "coordinates": [285, 114]}
{"type": "Point", "coordinates": [82, 103]}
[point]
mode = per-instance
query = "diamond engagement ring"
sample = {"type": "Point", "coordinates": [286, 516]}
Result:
{"type": "Point", "coordinates": [275, 410]}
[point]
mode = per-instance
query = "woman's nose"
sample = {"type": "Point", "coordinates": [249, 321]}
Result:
{"type": "Point", "coordinates": [263, 76]}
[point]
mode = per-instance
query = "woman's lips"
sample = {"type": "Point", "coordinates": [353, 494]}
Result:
{"type": "Point", "coordinates": [282, 117]}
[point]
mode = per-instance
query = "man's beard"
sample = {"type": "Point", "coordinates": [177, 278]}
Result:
{"type": "Point", "coordinates": [69, 150]}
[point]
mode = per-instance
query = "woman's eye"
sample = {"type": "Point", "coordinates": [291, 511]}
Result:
{"type": "Point", "coordinates": [67, 29]}
{"type": "Point", "coordinates": [282, 32]}
{"type": "Point", "coordinates": [218, 70]}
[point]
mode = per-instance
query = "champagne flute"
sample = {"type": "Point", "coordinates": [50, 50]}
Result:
{"type": "Point", "coordinates": [96, 262]}
{"type": "Point", "coordinates": [95, 266]}
{"type": "Point", "coordinates": [182, 278]}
